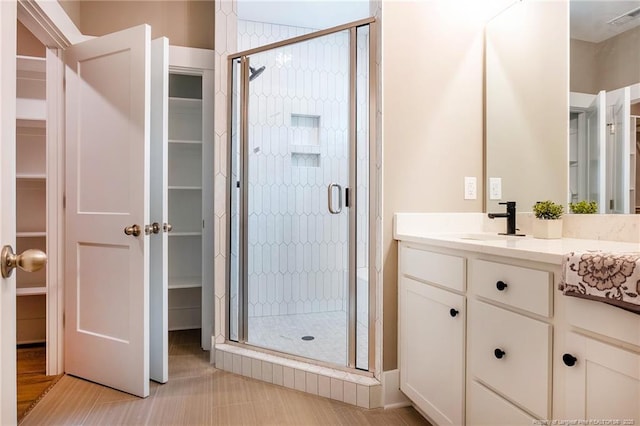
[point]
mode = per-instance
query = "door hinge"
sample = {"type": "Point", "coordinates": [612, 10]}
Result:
{"type": "Point", "coordinates": [64, 201]}
{"type": "Point", "coordinates": [64, 319]}
{"type": "Point", "coordinates": [612, 128]}
{"type": "Point", "coordinates": [611, 204]}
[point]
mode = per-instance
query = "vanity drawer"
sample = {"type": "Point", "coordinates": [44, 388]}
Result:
{"type": "Point", "coordinates": [524, 288]}
{"type": "Point", "coordinates": [485, 407]}
{"type": "Point", "coordinates": [437, 268]}
{"type": "Point", "coordinates": [512, 354]}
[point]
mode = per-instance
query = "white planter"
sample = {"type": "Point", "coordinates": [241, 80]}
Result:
{"type": "Point", "coordinates": [544, 228]}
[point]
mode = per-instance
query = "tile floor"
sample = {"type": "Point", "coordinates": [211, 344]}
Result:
{"type": "Point", "coordinates": [199, 394]}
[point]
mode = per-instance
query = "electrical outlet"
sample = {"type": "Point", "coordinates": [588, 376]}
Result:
{"type": "Point", "coordinates": [470, 188]}
{"type": "Point", "coordinates": [495, 188]}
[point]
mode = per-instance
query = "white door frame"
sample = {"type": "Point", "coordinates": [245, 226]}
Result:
{"type": "Point", "coordinates": [49, 22]}
{"type": "Point", "coordinates": [8, 400]}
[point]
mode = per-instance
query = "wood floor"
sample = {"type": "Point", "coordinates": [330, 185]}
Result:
{"type": "Point", "coordinates": [198, 394]}
{"type": "Point", "coordinates": [32, 379]}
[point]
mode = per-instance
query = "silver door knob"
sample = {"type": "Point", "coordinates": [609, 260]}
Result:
{"type": "Point", "coordinates": [29, 261]}
{"type": "Point", "coordinates": [167, 227]}
{"type": "Point", "coordinates": [132, 230]}
{"type": "Point", "coordinates": [154, 228]}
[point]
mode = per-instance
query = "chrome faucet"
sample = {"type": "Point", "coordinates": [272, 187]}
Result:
{"type": "Point", "coordinates": [511, 218]}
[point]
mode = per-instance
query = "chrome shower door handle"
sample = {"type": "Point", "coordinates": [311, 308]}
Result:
{"type": "Point", "coordinates": [330, 188]}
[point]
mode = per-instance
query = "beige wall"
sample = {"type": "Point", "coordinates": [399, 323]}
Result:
{"type": "Point", "coordinates": [608, 65]}
{"type": "Point", "coordinates": [619, 60]}
{"type": "Point", "coordinates": [527, 103]}
{"type": "Point", "coordinates": [28, 44]}
{"type": "Point", "coordinates": [432, 112]}
{"type": "Point", "coordinates": [582, 78]}
{"type": "Point", "coordinates": [186, 23]}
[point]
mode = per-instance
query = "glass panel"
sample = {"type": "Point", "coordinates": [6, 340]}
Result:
{"type": "Point", "coordinates": [298, 146]}
{"type": "Point", "coordinates": [593, 150]}
{"type": "Point", "coordinates": [362, 202]}
{"type": "Point", "coordinates": [234, 181]}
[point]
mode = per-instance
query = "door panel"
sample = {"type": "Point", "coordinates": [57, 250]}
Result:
{"type": "Point", "coordinates": [107, 189]}
{"type": "Point", "coordinates": [158, 281]}
{"type": "Point", "coordinates": [594, 164]}
{"type": "Point", "coordinates": [619, 153]}
{"type": "Point", "coordinates": [8, 209]}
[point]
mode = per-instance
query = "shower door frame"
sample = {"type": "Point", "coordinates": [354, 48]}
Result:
{"type": "Point", "coordinates": [371, 185]}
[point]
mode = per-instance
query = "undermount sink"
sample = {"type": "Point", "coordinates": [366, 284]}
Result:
{"type": "Point", "coordinates": [485, 237]}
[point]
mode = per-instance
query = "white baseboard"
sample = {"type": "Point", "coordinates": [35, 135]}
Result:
{"type": "Point", "coordinates": [392, 396]}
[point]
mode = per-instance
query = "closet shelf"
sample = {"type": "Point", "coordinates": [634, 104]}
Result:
{"type": "Point", "coordinates": [190, 188]}
{"type": "Point", "coordinates": [31, 176]}
{"type": "Point", "coordinates": [191, 102]}
{"type": "Point", "coordinates": [185, 234]}
{"type": "Point", "coordinates": [31, 291]}
{"type": "Point", "coordinates": [31, 234]}
{"type": "Point", "coordinates": [185, 141]}
{"type": "Point", "coordinates": [184, 282]}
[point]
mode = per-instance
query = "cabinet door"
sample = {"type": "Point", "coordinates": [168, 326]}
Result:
{"type": "Point", "coordinates": [431, 344]}
{"type": "Point", "coordinates": [107, 105]}
{"type": "Point", "coordinates": [603, 383]}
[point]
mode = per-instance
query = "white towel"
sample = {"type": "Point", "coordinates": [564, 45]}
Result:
{"type": "Point", "coordinates": [612, 278]}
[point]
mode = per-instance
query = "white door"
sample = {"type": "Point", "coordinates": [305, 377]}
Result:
{"type": "Point", "coordinates": [594, 164]}
{"type": "Point", "coordinates": [8, 210]}
{"type": "Point", "coordinates": [618, 152]}
{"type": "Point", "coordinates": [107, 193]}
{"type": "Point", "coordinates": [159, 258]}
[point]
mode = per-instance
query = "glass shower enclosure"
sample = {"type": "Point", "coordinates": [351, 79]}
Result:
{"type": "Point", "coordinates": [299, 161]}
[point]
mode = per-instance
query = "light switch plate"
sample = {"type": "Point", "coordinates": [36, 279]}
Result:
{"type": "Point", "coordinates": [495, 188]}
{"type": "Point", "coordinates": [470, 188]}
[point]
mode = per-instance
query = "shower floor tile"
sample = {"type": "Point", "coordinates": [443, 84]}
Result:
{"type": "Point", "coordinates": [285, 333]}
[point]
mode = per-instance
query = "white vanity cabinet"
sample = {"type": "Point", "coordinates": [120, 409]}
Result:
{"type": "Point", "coordinates": [530, 354]}
{"type": "Point", "coordinates": [597, 370]}
{"type": "Point", "coordinates": [509, 338]}
{"type": "Point", "coordinates": [432, 332]}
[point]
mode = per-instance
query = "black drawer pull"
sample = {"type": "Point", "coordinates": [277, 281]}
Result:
{"type": "Point", "coordinates": [569, 360]}
{"type": "Point", "coordinates": [453, 312]}
{"type": "Point", "coordinates": [499, 353]}
{"type": "Point", "coordinates": [501, 285]}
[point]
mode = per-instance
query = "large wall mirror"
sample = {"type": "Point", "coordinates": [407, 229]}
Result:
{"type": "Point", "coordinates": [562, 92]}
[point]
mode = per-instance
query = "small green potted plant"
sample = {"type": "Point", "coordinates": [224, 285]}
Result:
{"type": "Point", "coordinates": [548, 221]}
{"type": "Point", "coordinates": [584, 207]}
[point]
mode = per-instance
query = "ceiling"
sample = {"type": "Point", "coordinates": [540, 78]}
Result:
{"type": "Point", "coordinates": [314, 14]}
{"type": "Point", "coordinates": [589, 18]}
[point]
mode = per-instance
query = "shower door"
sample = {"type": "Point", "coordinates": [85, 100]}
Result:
{"type": "Point", "coordinates": [294, 245]}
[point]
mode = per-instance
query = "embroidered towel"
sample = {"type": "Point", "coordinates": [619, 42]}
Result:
{"type": "Point", "coordinates": [612, 278]}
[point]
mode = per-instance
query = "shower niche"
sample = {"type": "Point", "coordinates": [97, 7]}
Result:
{"type": "Point", "coordinates": [304, 140]}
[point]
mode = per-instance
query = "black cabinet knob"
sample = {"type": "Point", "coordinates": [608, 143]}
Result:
{"type": "Point", "coordinates": [453, 312]}
{"type": "Point", "coordinates": [499, 353]}
{"type": "Point", "coordinates": [501, 285]}
{"type": "Point", "coordinates": [569, 360]}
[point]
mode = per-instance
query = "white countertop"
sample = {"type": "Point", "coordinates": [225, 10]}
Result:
{"type": "Point", "coordinates": [527, 247]}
